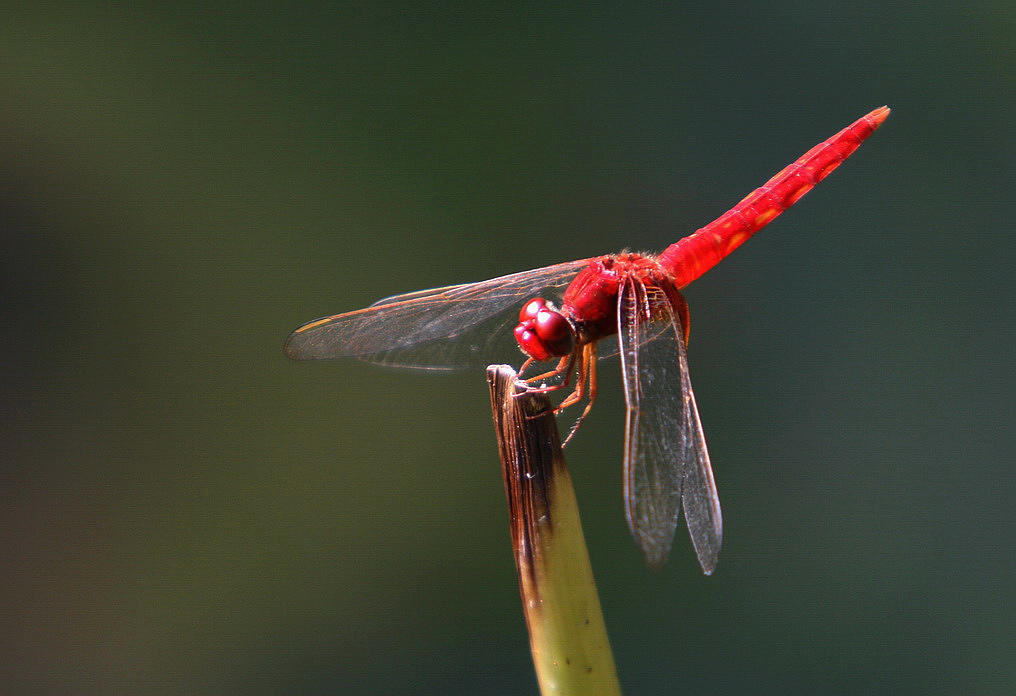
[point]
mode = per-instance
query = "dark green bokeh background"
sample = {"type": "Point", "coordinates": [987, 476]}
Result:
{"type": "Point", "coordinates": [186, 512]}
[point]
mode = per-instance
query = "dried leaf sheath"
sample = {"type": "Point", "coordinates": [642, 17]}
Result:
{"type": "Point", "coordinates": [567, 634]}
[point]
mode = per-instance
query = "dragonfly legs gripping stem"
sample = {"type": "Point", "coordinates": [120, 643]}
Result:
{"type": "Point", "coordinates": [585, 385]}
{"type": "Point", "coordinates": [564, 367]}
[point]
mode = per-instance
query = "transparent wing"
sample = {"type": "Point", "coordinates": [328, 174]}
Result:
{"type": "Point", "coordinates": [665, 458]}
{"type": "Point", "coordinates": [701, 502]}
{"type": "Point", "coordinates": [439, 329]}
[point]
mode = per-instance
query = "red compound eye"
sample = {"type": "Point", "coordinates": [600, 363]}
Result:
{"type": "Point", "coordinates": [552, 327]}
{"type": "Point", "coordinates": [532, 308]}
{"type": "Point", "coordinates": [543, 332]}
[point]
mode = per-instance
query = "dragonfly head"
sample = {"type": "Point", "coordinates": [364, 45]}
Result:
{"type": "Point", "coordinates": [543, 331]}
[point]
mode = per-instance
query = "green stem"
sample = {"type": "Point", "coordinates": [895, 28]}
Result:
{"type": "Point", "coordinates": [567, 634]}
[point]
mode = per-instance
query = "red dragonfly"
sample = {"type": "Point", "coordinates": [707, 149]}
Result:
{"type": "Point", "coordinates": [635, 297]}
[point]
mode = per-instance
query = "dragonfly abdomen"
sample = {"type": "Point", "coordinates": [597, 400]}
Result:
{"type": "Point", "coordinates": [689, 258]}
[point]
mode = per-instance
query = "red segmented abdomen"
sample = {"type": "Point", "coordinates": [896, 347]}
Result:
{"type": "Point", "coordinates": [689, 258]}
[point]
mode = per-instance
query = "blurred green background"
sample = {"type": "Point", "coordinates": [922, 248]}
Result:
{"type": "Point", "coordinates": [187, 512]}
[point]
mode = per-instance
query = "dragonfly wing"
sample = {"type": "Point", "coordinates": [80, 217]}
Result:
{"type": "Point", "coordinates": [665, 459]}
{"type": "Point", "coordinates": [443, 328]}
{"type": "Point", "coordinates": [701, 501]}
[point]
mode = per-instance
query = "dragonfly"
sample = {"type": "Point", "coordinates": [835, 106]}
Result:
{"type": "Point", "coordinates": [629, 304]}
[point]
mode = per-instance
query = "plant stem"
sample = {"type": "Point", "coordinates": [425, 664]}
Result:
{"type": "Point", "coordinates": [567, 634]}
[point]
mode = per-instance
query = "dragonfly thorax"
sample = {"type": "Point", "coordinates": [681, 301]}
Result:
{"type": "Point", "coordinates": [543, 331]}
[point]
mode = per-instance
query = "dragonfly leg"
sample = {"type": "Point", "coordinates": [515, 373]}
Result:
{"type": "Point", "coordinates": [565, 367]}
{"type": "Point", "coordinates": [580, 384]}
{"type": "Point", "coordinates": [585, 384]}
{"type": "Point", "coordinates": [589, 362]}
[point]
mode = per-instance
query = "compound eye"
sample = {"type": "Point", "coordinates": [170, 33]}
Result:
{"type": "Point", "coordinates": [554, 331]}
{"type": "Point", "coordinates": [551, 326]}
{"type": "Point", "coordinates": [532, 308]}
{"type": "Point", "coordinates": [543, 332]}
{"type": "Point", "coordinates": [530, 343]}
